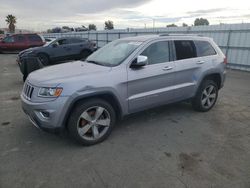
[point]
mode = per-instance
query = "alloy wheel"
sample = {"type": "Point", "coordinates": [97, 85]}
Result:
{"type": "Point", "coordinates": [208, 96]}
{"type": "Point", "coordinates": [93, 123]}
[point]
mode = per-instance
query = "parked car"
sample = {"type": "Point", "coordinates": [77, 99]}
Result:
{"type": "Point", "coordinates": [56, 51]}
{"type": "Point", "coordinates": [125, 76]}
{"type": "Point", "coordinates": [19, 42]}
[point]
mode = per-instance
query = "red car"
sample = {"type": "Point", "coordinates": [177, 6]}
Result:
{"type": "Point", "coordinates": [19, 42]}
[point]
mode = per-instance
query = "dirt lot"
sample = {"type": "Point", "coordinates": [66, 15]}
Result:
{"type": "Point", "coordinates": [171, 146]}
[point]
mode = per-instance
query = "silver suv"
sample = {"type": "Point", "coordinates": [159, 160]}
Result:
{"type": "Point", "coordinates": [125, 76]}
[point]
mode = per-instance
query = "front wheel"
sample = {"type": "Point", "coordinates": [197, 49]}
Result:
{"type": "Point", "coordinates": [91, 121]}
{"type": "Point", "coordinates": [44, 59]}
{"type": "Point", "coordinates": [206, 96]}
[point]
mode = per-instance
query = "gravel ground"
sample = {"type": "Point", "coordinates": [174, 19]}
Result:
{"type": "Point", "coordinates": [170, 146]}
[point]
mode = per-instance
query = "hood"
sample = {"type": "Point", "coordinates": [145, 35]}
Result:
{"type": "Point", "coordinates": [60, 73]}
{"type": "Point", "coordinates": [30, 49]}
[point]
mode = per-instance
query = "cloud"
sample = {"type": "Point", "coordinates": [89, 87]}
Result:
{"type": "Point", "coordinates": [41, 15]}
{"type": "Point", "coordinates": [207, 11]}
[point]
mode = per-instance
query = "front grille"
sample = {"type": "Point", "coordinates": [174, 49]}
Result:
{"type": "Point", "coordinates": [27, 91]}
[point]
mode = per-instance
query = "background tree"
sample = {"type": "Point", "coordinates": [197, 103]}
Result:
{"type": "Point", "coordinates": [184, 25]}
{"type": "Point", "coordinates": [172, 25]}
{"type": "Point", "coordinates": [11, 21]}
{"type": "Point", "coordinates": [92, 27]}
{"type": "Point", "coordinates": [56, 30]}
{"type": "Point", "coordinates": [109, 25]}
{"type": "Point", "coordinates": [1, 32]}
{"type": "Point", "coordinates": [201, 21]}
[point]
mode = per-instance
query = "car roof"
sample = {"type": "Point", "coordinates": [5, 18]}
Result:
{"type": "Point", "coordinates": [144, 38]}
{"type": "Point", "coordinates": [60, 38]}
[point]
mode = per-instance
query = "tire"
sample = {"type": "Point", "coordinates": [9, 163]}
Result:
{"type": "Point", "coordinates": [206, 96]}
{"type": "Point", "coordinates": [84, 54]}
{"type": "Point", "coordinates": [84, 127]}
{"type": "Point", "coordinates": [44, 58]}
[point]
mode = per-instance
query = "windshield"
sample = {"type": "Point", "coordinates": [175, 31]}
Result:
{"type": "Point", "coordinates": [49, 43]}
{"type": "Point", "coordinates": [113, 53]}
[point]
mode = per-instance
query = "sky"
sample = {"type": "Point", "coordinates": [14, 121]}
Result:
{"type": "Point", "coordinates": [45, 14]}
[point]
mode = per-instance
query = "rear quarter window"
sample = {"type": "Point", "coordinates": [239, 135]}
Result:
{"type": "Point", "coordinates": [204, 48]}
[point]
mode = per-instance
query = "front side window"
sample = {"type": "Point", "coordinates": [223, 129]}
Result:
{"type": "Point", "coordinates": [9, 39]}
{"type": "Point", "coordinates": [113, 53]}
{"type": "Point", "coordinates": [157, 52]}
{"type": "Point", "coordinates": [204, 48]}
{"type": "Point", "coordinates": [185, 49]}
{"type": "Point", "coordinates": [63, 42]}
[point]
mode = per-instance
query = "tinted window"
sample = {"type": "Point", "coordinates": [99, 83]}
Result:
{"type": "Point", "coordinates": [19, 38]}
{"type": "Point", "coordinates": [76, 40]}
{"type": "Point", "coordinates": [184, 49]}
{"type": "Point", "coordinates": [157, 52]}
{"type": "Point", "coordinates": [204, 48]}
{"type": "Point", "coordinates": [63, 41]}
{"type": "Point", "coordinates": [34, 38]}
{"type": "Point", "coordinates": [8, 39]}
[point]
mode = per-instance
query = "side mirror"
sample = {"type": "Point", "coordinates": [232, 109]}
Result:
{"type": "Point", "coordinates": [140, 61]}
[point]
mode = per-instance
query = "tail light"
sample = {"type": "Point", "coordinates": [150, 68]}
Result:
{"type": "Point", "coordinates": [225, 61]}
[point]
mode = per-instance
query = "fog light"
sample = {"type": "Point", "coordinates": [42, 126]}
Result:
{"type": "Point", "coordinates": [44, 114]}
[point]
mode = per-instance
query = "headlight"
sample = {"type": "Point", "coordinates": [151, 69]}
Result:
{"type": "Point", "coordinates": [29, 52]}
{"type": "Point", "coordinates": [50, 92]}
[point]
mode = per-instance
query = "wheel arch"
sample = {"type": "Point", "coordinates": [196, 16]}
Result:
{"type": "Point", "coordinates": [107, 96]}
{"type": "Point", "coordinates": [44, 53]}
{"type": "Point", "coordinates": [216, 77]}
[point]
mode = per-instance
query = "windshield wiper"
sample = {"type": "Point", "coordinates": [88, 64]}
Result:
{"type": "Point", "coordinates": [96, 62]}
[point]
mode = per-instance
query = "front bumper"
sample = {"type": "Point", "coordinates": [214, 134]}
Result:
{"type": "Point", "coordinates": [28, 64]}
{"type": "Point", "coordinates": [54, 112]}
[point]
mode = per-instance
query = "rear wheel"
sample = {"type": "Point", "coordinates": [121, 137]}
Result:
{"type": "Point", "coordinates": [91, 121]}
{"type": "Point", "coordinates": [44, 58]}
{"type": "Point", "coordinates": [206, 96]}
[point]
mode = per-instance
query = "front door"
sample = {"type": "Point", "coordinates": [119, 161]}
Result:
{"type": "Point", "coordinates": [151, 85]}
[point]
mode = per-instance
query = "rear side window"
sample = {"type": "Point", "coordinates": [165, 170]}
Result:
{"type": "Point", "coordinates": [76, 40]}
{"type": "Point", "coordinates": [185, 49]}
{"type": "Point", "coordinates": [204, 48]}
{"type": "Point", "coordinates": [157, 52]}
{"type": "Point", "coordinates": [34, 38]}
{"type": "Point", "coordinates": [19, 38]}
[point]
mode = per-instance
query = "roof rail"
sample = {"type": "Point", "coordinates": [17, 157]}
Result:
{"type": "Point", "coordinates": [181, 34]}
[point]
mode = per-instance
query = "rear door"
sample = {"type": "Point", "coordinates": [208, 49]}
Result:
{"type": "Point", "coordinates": [151, 85]}
{"type": "Point", "coordinates": [62, 51]}
{"type": "Point", "coordinates": [77, 45]}
{"type": "Point", "coordinates": [34, 40]}
{"type": "Point", "coordinates": [20, 42]}
{"type": "Point", "coordinates": [189, 67]}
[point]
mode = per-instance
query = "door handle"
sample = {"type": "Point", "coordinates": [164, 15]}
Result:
{"type": "Point", "coordinates": [200, 62]}
{"type": "Point", "coordinates": [167, 68]}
